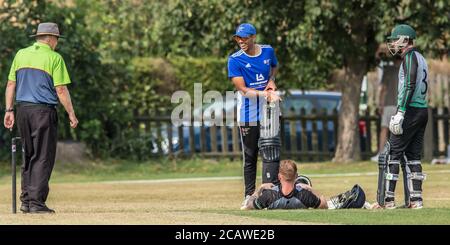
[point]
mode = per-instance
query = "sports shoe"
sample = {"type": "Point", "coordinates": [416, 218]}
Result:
{"type": "Point", "coordinates": [415, 205]}
{"type": "Point", "coordinates": [245, 202]}
{"type": "Point", "coordinates": [387, 205]}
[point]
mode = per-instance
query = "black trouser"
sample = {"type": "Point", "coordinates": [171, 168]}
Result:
{"type": "Point", "coordinates": [249, 137]}
{"type": "Point", "coordinates": [407, 149]}
{"type": "Point", "coordinates": [37, 126]}
{"type": "Point", "coordinates": [410, 143]}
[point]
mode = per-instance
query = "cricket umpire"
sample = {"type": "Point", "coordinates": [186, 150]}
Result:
{"type": "Point", "coordinates": [37, 79]}
{"type": "Point", "coordinates": [252, 70]}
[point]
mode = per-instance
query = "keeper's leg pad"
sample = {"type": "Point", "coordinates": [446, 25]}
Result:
{"type": "Point", "coordinates": [388, 171]}
{"type": "Point", "coordinates": [412, 180]}
{"type": "Point", "coordinates": [270, 152]}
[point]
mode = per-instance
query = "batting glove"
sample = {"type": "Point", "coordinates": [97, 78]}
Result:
{"type": "Point", "coordinates": [395, 125]}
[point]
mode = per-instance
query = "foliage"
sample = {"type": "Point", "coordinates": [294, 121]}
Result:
{"type": "Point", "coordinates": [312, 38]}
{"type": "Point", "coordinates": [92, 89]}
{"type": "Point", "coordinates": [126, 58]}
{"type": "Point", "coordinates": [14, 32]}
{"type": "Point", "coordinates": [206, 27]}
{"type": "Point", "coordinates": [213, 75]}
{"type": "Point", "coordinates": [127, 29]}
{"type": "Point", "coordinates": [431, 20]}
{"type": "Point", "coordinates": [154, 76]}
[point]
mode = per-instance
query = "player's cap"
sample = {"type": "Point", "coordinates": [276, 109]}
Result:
{"type": "Point", "coordinates": [402, 30]}
{"type": "Point", "coordinates": [245, 30]}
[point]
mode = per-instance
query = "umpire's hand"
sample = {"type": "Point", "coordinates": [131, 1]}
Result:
{"type": "Point", "coordinates": [73, 120]}
{"type": "Point", "coordinates": [9, 120]}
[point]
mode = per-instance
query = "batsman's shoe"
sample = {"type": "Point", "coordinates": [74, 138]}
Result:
{"type": "Point", "coordinates": [388, 205]}
{"type": "Point", "coordinates": [245, 202]}
{"type": "Point", "coordinates": [25, 208]}
{"type": "Point", "coordinates": [414, 205]}
{"type": "Point", "coordinates": [376, 206]}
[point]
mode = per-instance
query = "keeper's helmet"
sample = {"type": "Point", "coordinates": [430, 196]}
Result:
{"type": "Point", "coordinates": [354, 198]}
{"type": "Point", "coordinates": [400, 37]}
{"type": "Point", "coordinates": [302, 179]}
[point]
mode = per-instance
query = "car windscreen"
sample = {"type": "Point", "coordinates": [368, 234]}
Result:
{"type": "Point", "coordinates": [294, 104]}
{"type": "Point", "coordinates": [328, 103]}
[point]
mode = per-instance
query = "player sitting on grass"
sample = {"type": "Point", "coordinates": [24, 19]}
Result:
{"type": "Point", "coordinates": [295, 192]}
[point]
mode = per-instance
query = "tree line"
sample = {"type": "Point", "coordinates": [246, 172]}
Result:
{"type": "Point", "coordinates": [126, 58]}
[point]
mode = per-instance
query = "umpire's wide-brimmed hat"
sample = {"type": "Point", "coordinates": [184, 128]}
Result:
{"type": "Point", "coordinates": [47, 29]}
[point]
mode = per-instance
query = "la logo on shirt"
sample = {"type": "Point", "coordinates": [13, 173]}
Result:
{"type": "Point", "coordinates": [259, 77]}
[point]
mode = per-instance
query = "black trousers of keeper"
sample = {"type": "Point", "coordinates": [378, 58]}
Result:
{"type": "Point", "coordinates": [410, 143]}
{"type": "Point", "coordinates": [249, 136]}
{"type": "Point", "coordinates": [37, 126]}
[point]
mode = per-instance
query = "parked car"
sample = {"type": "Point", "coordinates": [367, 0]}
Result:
{"type": "Point", "coordinates": [321, 101]}
{"type": "Point", "coordinates": [293, 102]}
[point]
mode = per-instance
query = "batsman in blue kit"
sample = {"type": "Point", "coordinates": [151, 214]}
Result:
{"type": "Point", "coordinates": [252, 70]}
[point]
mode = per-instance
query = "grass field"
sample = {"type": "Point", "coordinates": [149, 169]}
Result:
{"type": "Point", "coordinates": [210, 192]}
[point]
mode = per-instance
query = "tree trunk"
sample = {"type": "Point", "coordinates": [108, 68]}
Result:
{"type": "Point", "coordinates": [348, 146]}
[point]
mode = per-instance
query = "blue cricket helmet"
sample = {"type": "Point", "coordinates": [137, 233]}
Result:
{"type": "Point", "coordinates": [356, 199]}
{"type": "Point", "coordinates": [302, 179]}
